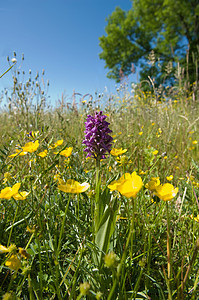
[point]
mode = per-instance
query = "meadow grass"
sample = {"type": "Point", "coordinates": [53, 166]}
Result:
{"type": "Point", "coordinates": [141, 247]}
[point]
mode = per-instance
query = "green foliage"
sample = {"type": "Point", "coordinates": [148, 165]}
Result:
{"type": "Point", "coordinates": [169, 28]}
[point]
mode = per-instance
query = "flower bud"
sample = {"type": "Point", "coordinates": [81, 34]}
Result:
{"type": "Point", "coordinates": [84, 288]}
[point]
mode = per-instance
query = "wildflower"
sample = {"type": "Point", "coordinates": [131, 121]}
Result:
{"type": "Point", "coordinates": [197, 219]}
{"type": "Point", "coordinates": [169, 178]}
{"type": "Point", "coordinates": [56, 177]}
{"type": "Point", "coordinates": [122, 160]}
{"type": "Point", "coordinates": [9, 192]}
{"type": "Point", "coordinates": [140, 133]}
{"type": "Point", "coordinates": [97, 139]}
{"type": "Point", "coordinates": [128, 185]}
{"type": "Point", "coordinates": [194, 142]}
{"type": "Point", "coordinates": [117, 152]}
{"type": "Point", "coordinates": [56, 144]}
{"type": "Point", "coordinates": [18, 152]}
{"type": "Point", "coordinates": [31, 229]}
{"type": "Point", "coordinates": [7, 177]}
{"type": "Point", "coordinates": [24, 253]}
{"type": "Point", "coordinates": [11, 248]}
{"type": "Point", "coordinates": [166, 191]}
{"type": "Point", "coordinates": [31, 146]}
{"type": "Point", "coordinates": [43, 153]}
{"type": "Point", "coordinates": [84, 288]}
{"type": "Point", "coordinates": [155, 152]}
{"type": "Point", "coordinates": [4, 249]}
{"type": "Point", "coordinates": [21, 195]}
{"type": "Point", "coordinates": [67, 152]}
{"type": "Point", "coordinates": [13, 262]}
{"type": "Point", "coordinates": [72, 186]}
{"type": "Point", "coordinates": [141, 172]}
{"type": "Point", "coordinates": [111, 260]}
{"type": "Point", "coordinates": [153, 184]}
{"type": "Point", "coordinates": [33, 134]}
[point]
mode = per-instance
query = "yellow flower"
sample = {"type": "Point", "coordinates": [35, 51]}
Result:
{"type": "Point", "coordinates": [7, 177]}
{"type": "Point", "coordinates": [194, 142]}
{"type": "Point", "coordinates": [72, 186]}
{"type": "Point", "coordinates": [155, 152]}
{"type": "Point", "coordinates": [153, 184]}
{"type": "Point", "coordinates": [18, 152]}
{"type": "Point", "coordinates": [9, 192]}
{"type": "Point", "coordinates": [169, 178]}
{"type": "Point", "coordinates": [21, 195]}
{"type": "Point", "coordinates": [4, 249]}
{"type": "Point", "coordinates": [140, 133]}
{"type": "Point", "coordinates": [31, 146]}
{"type": "Point", "coordinates": [43, 153]}
{"type": "Point", "coordinates": [166, 191]}
{"type": "Point", "coordinates": [122, 160]}
{"type": "Point", "coordinates": [128, 185]}
{"type": "Point", "coordinates": [56, 177]}
{"type": "Point", "coordinates": [13, 262]}
{"type": "Point", "coordinates": [11, 248]}
{"type": "Point", "coordinates": [56, 144]}
{"type": "Point", "coordinates": [67, 152]}
{"type": "Point", "coordinates": [141, 172]}
{"type": "Point", "coordinates": [117, 152]}
{"type": "Point", "coordinates": [24, 253]}
{"type": "Point", "coordinates": [31, 229]}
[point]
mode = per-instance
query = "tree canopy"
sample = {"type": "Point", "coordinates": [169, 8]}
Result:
{"type": "Point", "coordinates": [169, 29]}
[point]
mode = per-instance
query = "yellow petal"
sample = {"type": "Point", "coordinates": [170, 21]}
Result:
{"type": "Point", "coordinates": [13, 262]}
{"type": "Point", "coordinates": [72, 186]}
{"type": "Point", "coordinates": [3, 249]}
{"type": "Point", "coordinates": [21, 196]}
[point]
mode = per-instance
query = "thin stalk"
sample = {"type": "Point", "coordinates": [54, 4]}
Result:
{"type": "Point", "coordinates": [12, 226]}
{"type": "Point", "coordinates": [62, 228]}
{"type": "Point", "coordinates": [40, 269]}
{"type": "Point", "coordinates": [169, 258]}
{"type": "Point", "coordinates": [97, 196]}
{"type": "Point", "coordinates": [8, 70]}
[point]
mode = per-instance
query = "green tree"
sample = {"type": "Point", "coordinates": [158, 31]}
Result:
{"type": "Point", "coordinates": [167, 30]}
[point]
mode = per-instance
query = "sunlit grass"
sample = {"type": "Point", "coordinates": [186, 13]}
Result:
{"type": "Point", "coordinates": [142, 244]}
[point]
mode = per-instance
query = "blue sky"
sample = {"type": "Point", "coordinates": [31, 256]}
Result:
{"type": "Point", "coordinates": [60, 36]}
